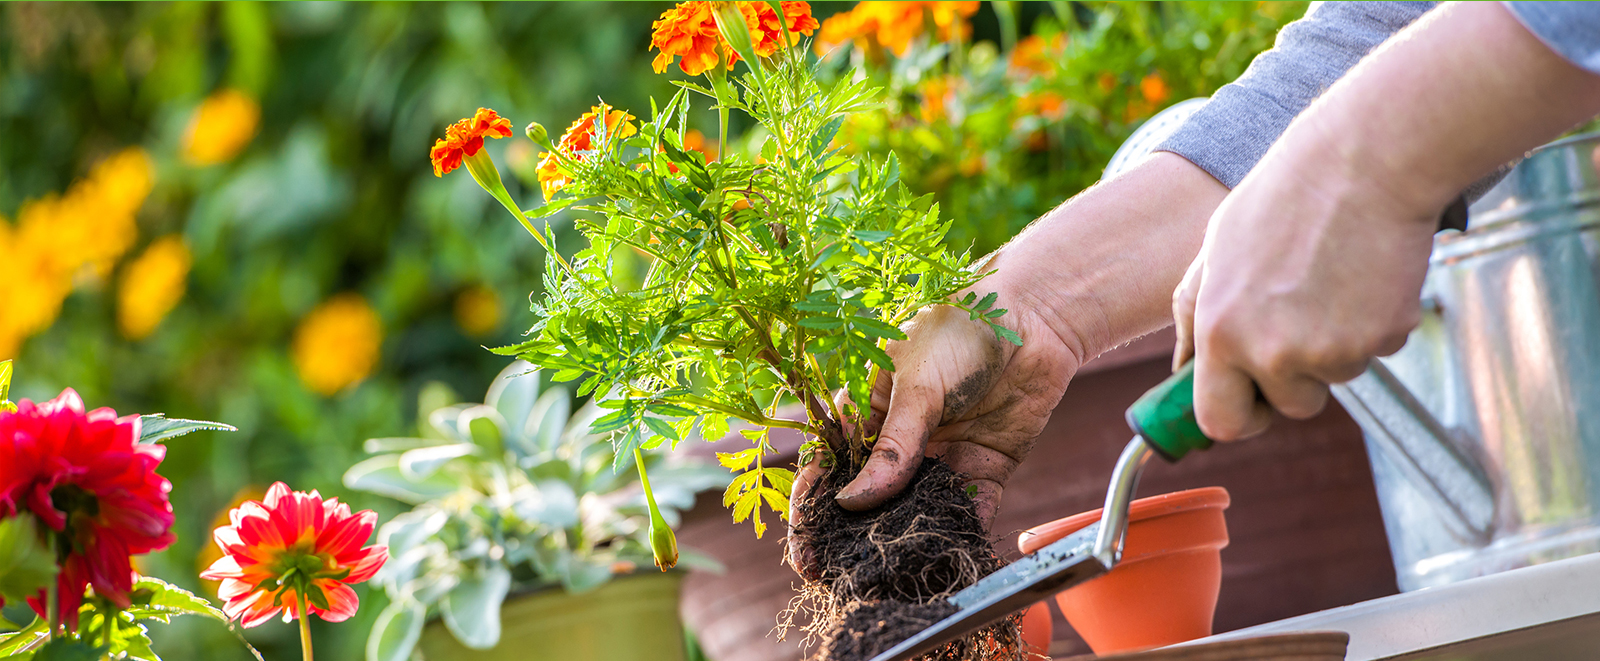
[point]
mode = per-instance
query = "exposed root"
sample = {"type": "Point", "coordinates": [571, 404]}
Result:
{"type": "Point", "coordinates": [886, 574]}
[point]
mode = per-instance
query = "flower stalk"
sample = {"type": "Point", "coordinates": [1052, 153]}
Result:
{"type": "Point", "coordinates": [663, 544]}
{"type": "Point", "coordinates": [305, 625]}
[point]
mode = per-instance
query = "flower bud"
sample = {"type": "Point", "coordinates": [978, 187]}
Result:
{"type": "Point", "coordinates": [663, 544]}
{"type": "Point", "coordinates": [538, 135]}
{"type": "Point", "coordinates": [734, 29]}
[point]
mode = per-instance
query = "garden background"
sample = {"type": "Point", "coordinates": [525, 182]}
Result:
{"type": "Point", "coordinates": [226, 212]}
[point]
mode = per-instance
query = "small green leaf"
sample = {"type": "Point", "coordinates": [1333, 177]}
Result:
{"type": "Point", "coordinates": [662, 428]}
{"type": "Point", "coordinates": [160, 594]}
{"type": "Point", "coordinates": [156, 427]}
{"type": "Point", "coordinates": [1006, 334]}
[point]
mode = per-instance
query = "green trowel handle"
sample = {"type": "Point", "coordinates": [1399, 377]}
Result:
{"type": "Point", "coordinates": [1164, 417]}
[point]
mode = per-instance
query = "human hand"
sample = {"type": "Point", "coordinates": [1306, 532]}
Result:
{"type": "Point", "coordinates": [1091, 275]}
{"type": "Point", "coordinates": [1302, 280]}
{"type": "Point", "coordinates": [1313, 265]}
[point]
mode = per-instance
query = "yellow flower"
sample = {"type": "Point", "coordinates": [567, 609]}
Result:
{"type": "Point", "coordinates": [221, 127]}
{"type": "Point", "coordinates": [30, 294]}
{"type": "Point", "coordinates": [60, 238]}
{"type": "Point", "coordinates": [151, 286]}
{"type": "Point", "coordinates": [477, 311]}
{"type": "Point", "coordinates": [337, 345]}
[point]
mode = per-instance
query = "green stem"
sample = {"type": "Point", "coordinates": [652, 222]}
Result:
{"type": "Point", "coordinates": [305, 625]}
{"type": "Point", "coordinates": [52, 608]}
{"type": "Point", "coordinates": [505, 201]}
{"type": "Point", "coordinates": [111, 628]}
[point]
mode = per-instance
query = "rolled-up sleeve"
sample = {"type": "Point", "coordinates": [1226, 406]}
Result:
{"type": "Point", "coordinates": [1571, 29]}
{"type": "Point", "coordinates": [1228, 135]}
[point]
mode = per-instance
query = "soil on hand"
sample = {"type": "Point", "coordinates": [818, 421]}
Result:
{"type": "Point", "coordinates": [884, 575]}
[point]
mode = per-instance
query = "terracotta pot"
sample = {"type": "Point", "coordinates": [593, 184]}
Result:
{"type": "Point", "coordinates": [1164, 591]}
{"type": "Point", "coordinates": [1037, 630]}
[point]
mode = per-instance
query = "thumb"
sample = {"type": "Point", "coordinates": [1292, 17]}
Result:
{"type": "Point", "coordinates": [1183, 302]}
{"type": "Point", "coordinates": [914, 410]}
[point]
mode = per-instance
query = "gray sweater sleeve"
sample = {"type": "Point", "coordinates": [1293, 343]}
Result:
{"type": "Point", "coordinates": [1234, 129]}
{"type": "Point", "coordinates": [1571, 29]}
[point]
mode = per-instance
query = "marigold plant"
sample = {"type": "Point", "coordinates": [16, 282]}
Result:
{"type": "Point", "coordinates": [774, 275]}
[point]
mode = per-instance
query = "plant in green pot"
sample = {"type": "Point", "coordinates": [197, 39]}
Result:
{"type": "Point", "coordinates": [523, 533]}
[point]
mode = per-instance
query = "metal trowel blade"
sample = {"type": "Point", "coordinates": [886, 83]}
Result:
{"type": "Point", "coordinates": [1061, 564]}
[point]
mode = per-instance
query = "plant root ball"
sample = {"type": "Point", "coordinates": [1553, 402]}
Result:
{"type": "Point", "coordinates": [883, 575]}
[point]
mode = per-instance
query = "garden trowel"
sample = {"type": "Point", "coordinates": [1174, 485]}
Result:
{"type": "Point", "coordinates": [1163, 423]}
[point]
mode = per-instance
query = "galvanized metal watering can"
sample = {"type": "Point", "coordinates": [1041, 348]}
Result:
{"type": "Point", "coordinates": [1484, 431]}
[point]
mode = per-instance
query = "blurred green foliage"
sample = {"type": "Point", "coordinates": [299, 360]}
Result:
{"type": "Point", "coordinates": [334, 194]}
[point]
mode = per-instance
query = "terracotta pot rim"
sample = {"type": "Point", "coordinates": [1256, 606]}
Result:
{"type": "Point", "coordinates": [1139, 510]}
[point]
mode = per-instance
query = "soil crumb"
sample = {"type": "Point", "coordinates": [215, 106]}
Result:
{"type": "Point", "coordinates": [883, 575]}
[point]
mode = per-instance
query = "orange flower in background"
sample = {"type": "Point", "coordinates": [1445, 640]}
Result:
{"type": "Point", "coordinates": [292, 550]}
{"type": "Point", "coordinates": [894, 25]}
{"type": "Point", "coordinates": [937, 94]}
{"type": "Point", "coordinates": [1154, 89]}
{"type": "Point", "coordinates": [1107, 82]}
{"type": "Point", "coordinates": [697, 141]}
{"type": "Point", "coordinates": [338, 344]}
{"type": "Point", "coordinates": [465, 137]}
{"type": "Point", "coordinates": [477, 311]}
{"type": "Point", "coordinates": [210, 553]}
{"type": "Point", "coordinates": [1046, 104]}
{"type": "Point", "coordinates": [577, 141]}
{"type": "Point", "coordinates": [688, 31]}
{"type": "Point", "coordinates": [151, 286]}
{"type": "Point", "coordinates": [221, 127]}
{"type": "Point", "coordinates": [1038, 56]}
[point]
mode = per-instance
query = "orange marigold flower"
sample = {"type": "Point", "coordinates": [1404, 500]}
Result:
{"type": "Point", "coordinates": [937, 93]}
{"type": "Point", "coordinates": [464, 138]}
{"type": "Point", "coordinates": [578, 141]}
{"type": "Point", "coordinates": [1037, 56]}
{"type": "Point", "coordinates": [1154, 89]}
{"type": "Point", "coordinates": [1046, 104]}
{"type": "Point", "coordinates": [767, 31]}
{"type": "Point", "coordinates": [894, 25]}
{"type": "Point", "coordinates": [289, 547]}
{"type": "Point", "coordinates": [689, 31]}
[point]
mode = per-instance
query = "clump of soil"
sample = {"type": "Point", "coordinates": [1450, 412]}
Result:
{"type": "Point", "coordinates": [881, 576]}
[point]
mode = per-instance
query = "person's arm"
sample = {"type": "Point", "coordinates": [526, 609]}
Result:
{"type": "Point", "coordinates": [1313, 264]}
{"type": "Point", "coordinates": [1231, 132]}
{"type": "Point", "coordinates": [1094, 273]}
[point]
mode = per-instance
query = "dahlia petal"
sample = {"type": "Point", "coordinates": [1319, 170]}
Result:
{"type": "Point", "coordinates": [367, 564]}
{"type": "Point", "coordinates": [342, 601]}
{"type": "Point", "coordinates": [106, 563]}
{"type": "Point", "coordinates": [252, 609]}
{"type": "Point", "coordinates": [225, 568]}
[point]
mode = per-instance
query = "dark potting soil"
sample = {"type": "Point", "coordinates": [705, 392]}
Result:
{"type": "Point", "coordinates": [883, 575]}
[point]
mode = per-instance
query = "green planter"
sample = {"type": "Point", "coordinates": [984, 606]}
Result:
{"type": "Point", "coordinates": [630, 618]}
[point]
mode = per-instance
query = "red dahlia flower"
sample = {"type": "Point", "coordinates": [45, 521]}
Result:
{"type": "Point", "coordinates": [86, 476]}
{"type": "Point", "coordinates": [292, 544]}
